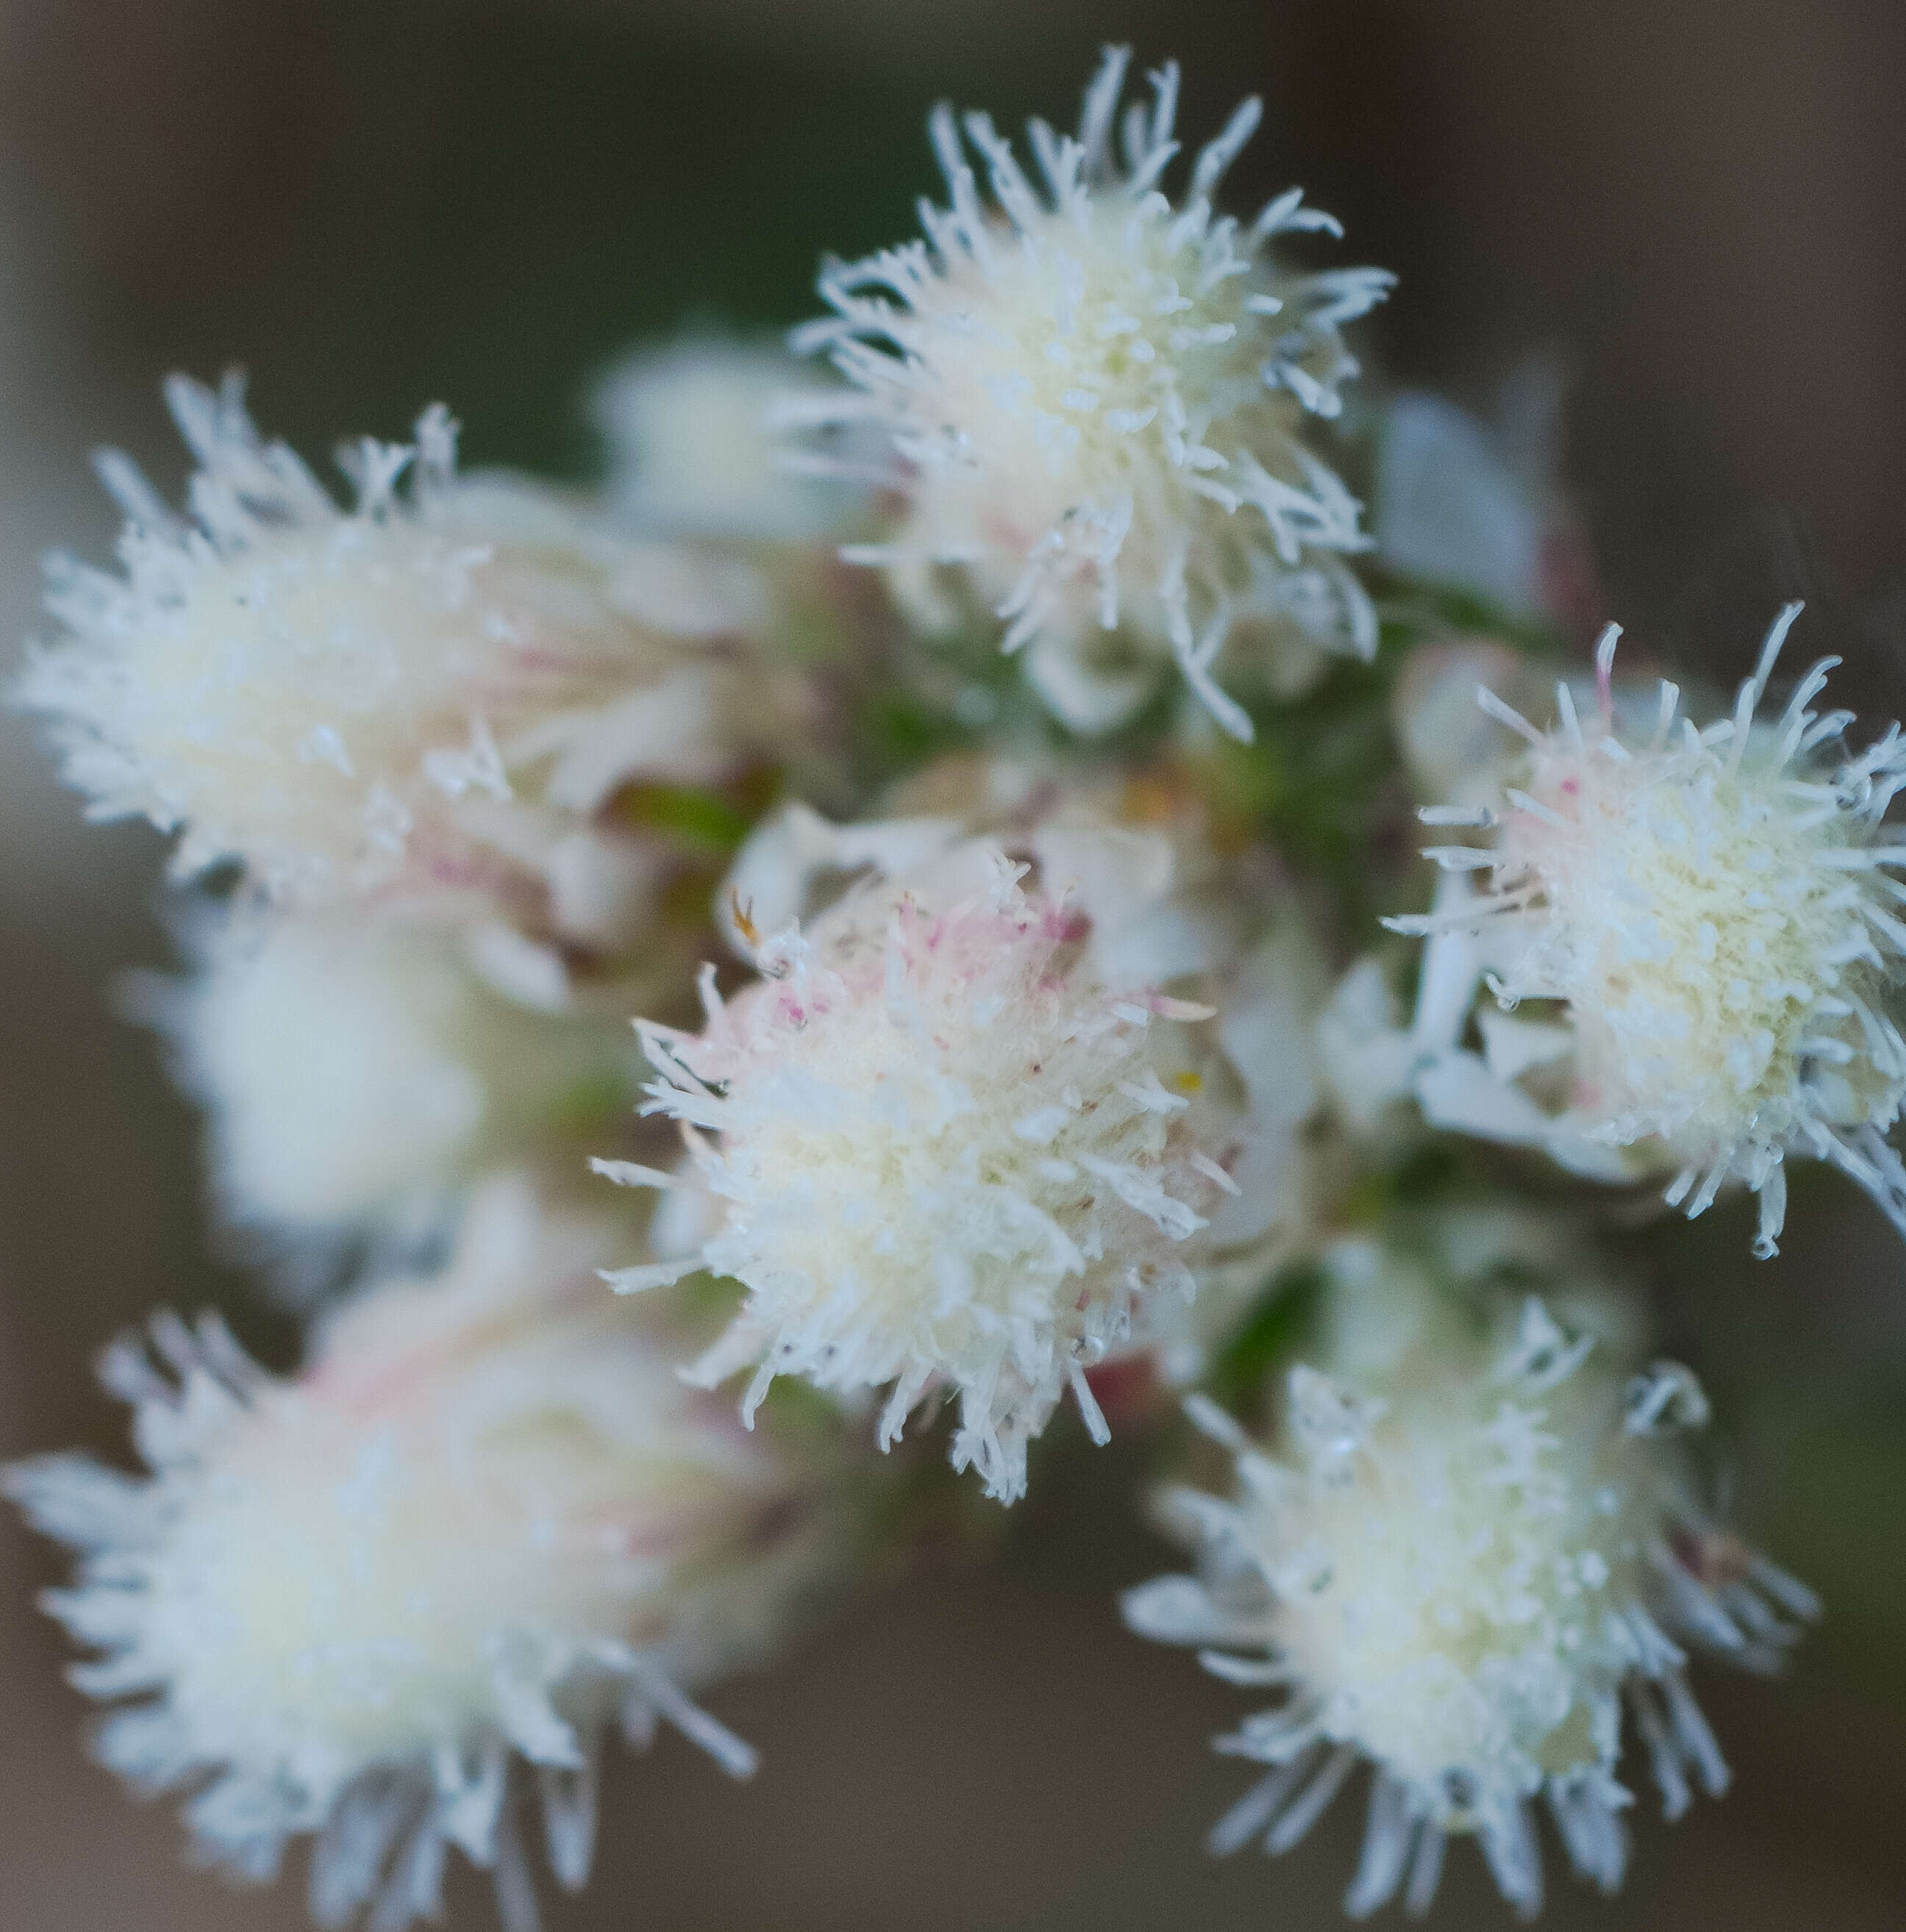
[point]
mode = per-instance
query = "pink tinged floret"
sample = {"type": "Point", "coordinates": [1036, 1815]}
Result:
{"type": "Point", "coordinates": [962, 1176]}
{"type": "Point", "coordinates": [1711, 907]}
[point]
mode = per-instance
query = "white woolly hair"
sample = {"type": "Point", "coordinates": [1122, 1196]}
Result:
{"type": "Point", "coordinates": [949, 1156]}
{"type": "Point", "coordinates": [1472, 1543]}
{"type": "Point", "coordinates": [398, 695]}
{"type": "Point", "coordinates": [1097, 402]}
{"type": "Point", "coordinates": [1712, 905]}
{"type": "Point", "coordinates": [484, 1526]}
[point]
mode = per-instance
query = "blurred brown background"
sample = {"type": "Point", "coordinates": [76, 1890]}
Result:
{"type": "Point", "coordinates": [372, 203]}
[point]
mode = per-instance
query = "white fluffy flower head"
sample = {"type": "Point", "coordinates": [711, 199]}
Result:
{"type": "Point", "coordinates": [1712, 906]}
{"type": "Point", "coordinates": [485, 1523]}
{"type": "Point", "coordinates": [1099, 399]}
{"type": "Point", "coordinates": [691, 449]}
{"type": "Point", "coordinates": [1465, 1551]}
{"type": "Point", "coordinates": [949, 1155]}
{"type": "Point", "coordinates": [348, 699]}
{"type": "Point", "coordinates": [358, 1073]}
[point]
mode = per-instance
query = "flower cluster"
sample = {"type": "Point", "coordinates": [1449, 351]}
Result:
{"type": "Point", "coordinates": [1038, 1071]}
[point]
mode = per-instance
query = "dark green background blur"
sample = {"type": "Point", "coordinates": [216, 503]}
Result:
{"type": "Point", "coordinates": [1699, 205]}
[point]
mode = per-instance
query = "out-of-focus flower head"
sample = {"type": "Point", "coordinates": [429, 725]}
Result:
{"type": "Point", "coordinates": [1473, 1541]}
{"type": "Point", "coordinates": [1711, 906]}
{"type": "Point", "coordinates": [433, 692]}
{"type": "Point", "coordinates": [957, 1137]}
{"type": "Point", "coordinates": [693, 452]}
{"type": "Point", "coordinates": [1452, 751]}
{"type": "Point", "coordinates": [1513, 1084]}
{"type": "Point", "coordinates": [485, 1524]}
{"type": "Point", "coordinates": [359, 1074]}
{"type": "Point", "coordinates": [1098, 403]}
{"type": "Point", "coordinates": [1477, 506]}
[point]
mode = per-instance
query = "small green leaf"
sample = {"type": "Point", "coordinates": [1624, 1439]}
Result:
{"type": "Point", "coordinates": [690, 814]}
{"type": "Point", "coordinates": [1266, 1337]}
